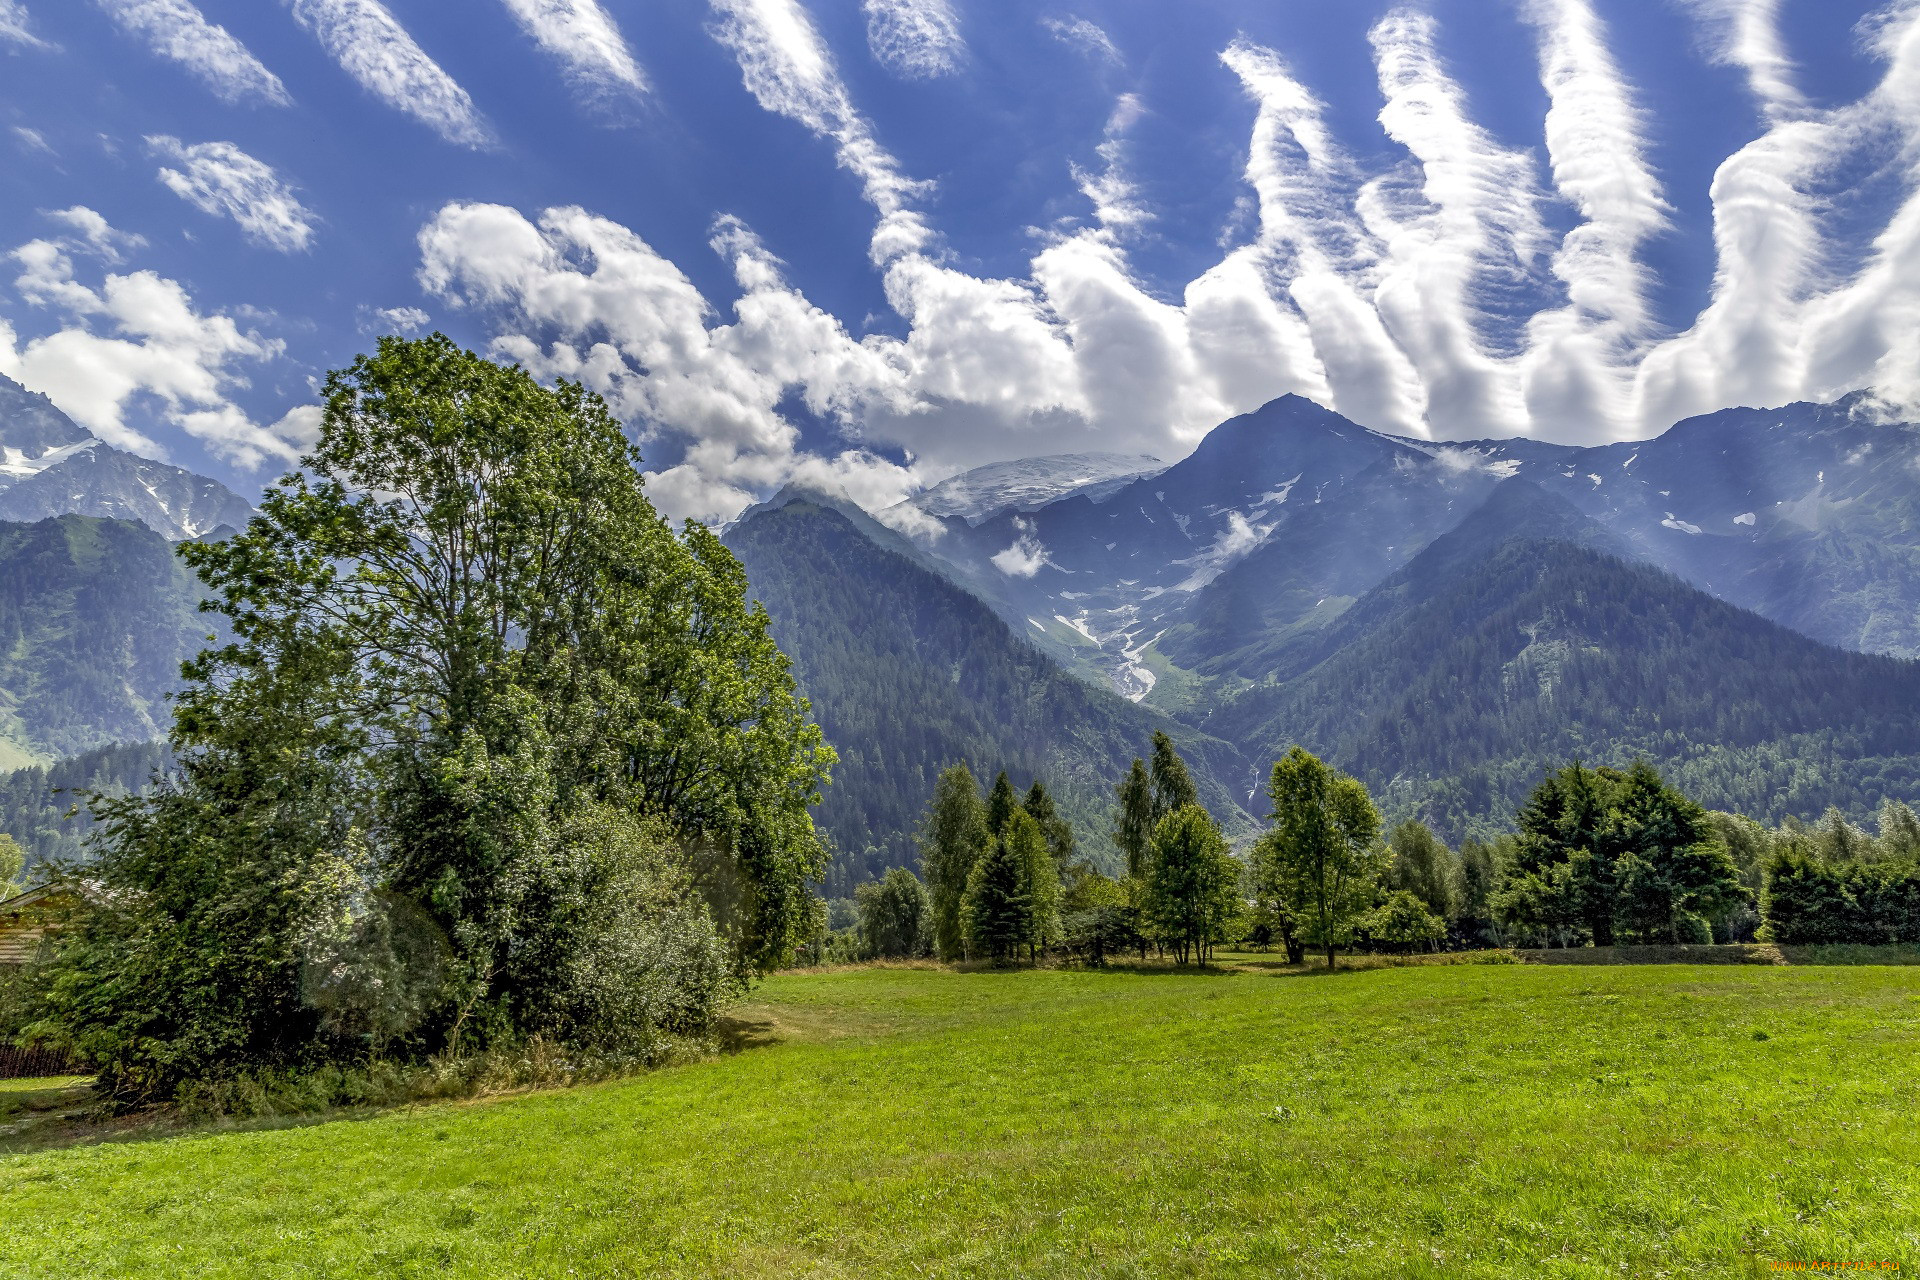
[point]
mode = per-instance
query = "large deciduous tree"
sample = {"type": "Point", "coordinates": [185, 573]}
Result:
{"type": "Point", "coordinates": [1323, 853]}
{"type": "Point", "coordinates": [1193, 884]}
{"type": "Point", "coordinates": [479, 698]}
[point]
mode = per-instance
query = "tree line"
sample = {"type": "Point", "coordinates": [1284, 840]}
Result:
{"type": "Point", "coordinates": [1596, 856]}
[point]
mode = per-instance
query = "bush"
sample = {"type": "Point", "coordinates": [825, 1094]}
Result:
{"type": "Point", "coordinates": [1403, 923]}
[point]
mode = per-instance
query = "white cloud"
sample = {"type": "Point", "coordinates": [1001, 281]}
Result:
{"type": "Point", "coordinates": [917, 39]}
{"type": "Point", "coordinates": [1577, 368]}
{"type": "Point", "coordinates": [220, 179]}
{"type": "Point", "coordinates": [629, 324]}
{"type": "Point", "coordinates": [371, 46]}
{"type": "Point", "coordinates": [14, 25]}
{"type": "Point", "coordinates": [1472, 218]}
{"type": "Point", "coordinates": [400, 320]}
{"type": "Point", "coordinates": [1083, 35]}
{"type": "Point", "coordinates": [587, 42]}
{"type": "Point", "coordinates": [1116, 202]}
{"type": "Point", "coordinates": [33, 140]}
{"type": "Point", "coordinates": [97, 235]}
{"type": "Point", "coordinates": [1746, 34]}
{"type": "Point", "coordinates": [179, 32]}
{"type": "Point", "coordinates": [785, 65]}
{"type": "Point", "coordinates": [1426, 296]}
{"type": "Point", "coordinates": [1025, 558]}
{"type": "Point", "coordinates": [135, 338]}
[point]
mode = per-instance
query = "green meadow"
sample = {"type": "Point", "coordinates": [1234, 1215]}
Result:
{"type": "Point", "coordinates": [1430, 1120]}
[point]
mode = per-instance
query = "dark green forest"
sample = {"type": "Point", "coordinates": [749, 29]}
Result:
{"type": "Point", "coordinates": [1451, 704]}
{"type": "Point", "coordinates": [35, 802]}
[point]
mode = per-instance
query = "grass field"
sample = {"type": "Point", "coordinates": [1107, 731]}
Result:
{"type": "Point", "coordinates": [1444, 1121]}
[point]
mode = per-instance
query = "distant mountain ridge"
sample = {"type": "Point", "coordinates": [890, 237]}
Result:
{"type": "Point", "coordinates": [1281, 518]}
{"type": "Point", "coordinates": [51, 466]}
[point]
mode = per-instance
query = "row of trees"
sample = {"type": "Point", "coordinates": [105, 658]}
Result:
{"type": "Point", "coordinates": [1597, 855]}
{"type": "Point", "coordinates": [495, 753]}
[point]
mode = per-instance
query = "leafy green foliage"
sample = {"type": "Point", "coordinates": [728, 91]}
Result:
{"type": "Point", "coordinates": [1404, 923]}
{"type": "Point", "coordinates": [953, 838]}
{"type": "Point", "coordinates": [1134, 818]}
{"type": "Point", "coordinates": [1192, 886]}
{"type": "Point", "coordinates": [1423, 866]}
{"type": "Point", "coordinates": [999, 911]}
{"type": "Point", "coordinates": [1610, 855]}
{"type": "Point", "coordinates": [490, 743]}
{"type": "Point", "coordinates": [896, 916]}
{"type": "Point", "coordinates": [13, 859]}
{"type": "Point", "coordinates": [1811, 900]}
{"type": "Point", "coordinates": [1322, 857]}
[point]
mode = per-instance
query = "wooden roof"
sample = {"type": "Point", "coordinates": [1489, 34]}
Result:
{"type": "Point", "coordinates": [26, 917]}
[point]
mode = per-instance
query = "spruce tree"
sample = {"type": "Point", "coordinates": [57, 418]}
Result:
{"type": "Point", "coordinates": [1674, 873]}
{"type": "Point", "coordinates": [1002, 802]}
{"type": "Point", "coordinates": [953, 837]}
{"type": "Point", "coordinates": [1040, 877]}
{"type": "Point", "coordinates": [998, 909]}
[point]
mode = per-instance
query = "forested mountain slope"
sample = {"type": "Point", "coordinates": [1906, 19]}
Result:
{"type": "Point", "coordinates": [34, 801]}
{"type": "Point", "coordinates": [1464, 678]}
{"type": "Point", "coordinates": [908, 674]}
{"type": "Point", "coordinates": [95, 619]}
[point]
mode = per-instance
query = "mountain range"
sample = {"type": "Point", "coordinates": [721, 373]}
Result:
{"type": "Point", "coordinates": [1737, 600]}
{"type": "Point", "coordinates": [51, 466]}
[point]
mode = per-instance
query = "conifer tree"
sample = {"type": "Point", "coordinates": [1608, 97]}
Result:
{"type": "Point", "coordinates": [1002, 802]}
{"type": "Point", "coordinates": [1058, 831]}
{"type": "Point", "coordinates": [1674, 874]}
{"type": "Point", "coordinates": [953, 838]}
{"type": "Point", "coordinates": [998, 909]}
{"type": "Point", "coordinates": [1040, 877]}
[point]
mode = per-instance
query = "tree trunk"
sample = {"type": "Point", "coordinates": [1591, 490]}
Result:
{"type": "Point", "coordinates": [1329, 955]}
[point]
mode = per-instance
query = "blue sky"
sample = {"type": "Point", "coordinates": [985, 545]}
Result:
{"type": "Point", "coordinates": [871, 242]}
